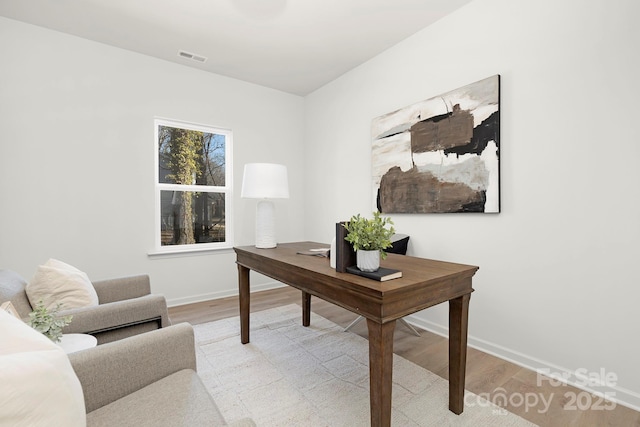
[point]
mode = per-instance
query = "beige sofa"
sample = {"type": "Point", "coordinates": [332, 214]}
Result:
{"type": "Point", "coordinates": [126, 307]}
{"type": "Point", "coordinates": [147, 380]}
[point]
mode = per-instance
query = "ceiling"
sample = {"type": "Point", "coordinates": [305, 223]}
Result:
{"type": "Point", "coordinates": [295, 46]}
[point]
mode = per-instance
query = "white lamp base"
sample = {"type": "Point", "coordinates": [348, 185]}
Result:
{"type": "Point", "coordinates": [265, 225]}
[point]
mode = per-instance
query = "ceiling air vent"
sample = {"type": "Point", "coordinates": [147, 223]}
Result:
{"type": "Point", "coordinates": [192, 56]}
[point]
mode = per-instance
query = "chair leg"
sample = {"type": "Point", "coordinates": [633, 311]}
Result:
{"type": "Point", "coordinates": [404, 322]}
{"type": "Point", "coordinates": [410, 326]}
{"type": "Point", "coordinates": [352, 324]}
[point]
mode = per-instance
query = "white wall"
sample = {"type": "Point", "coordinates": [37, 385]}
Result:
{"type": "Point", "coordinates": [77, 157]}
{"type": "Point", "coordinates": [557, 286]}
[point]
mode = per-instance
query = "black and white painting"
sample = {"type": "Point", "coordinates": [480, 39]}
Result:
{"type": "Point", "coordinates": [440, 155]}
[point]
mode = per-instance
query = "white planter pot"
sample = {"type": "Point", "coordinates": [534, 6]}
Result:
{"type": "Point", "coordinates": [368, 260]}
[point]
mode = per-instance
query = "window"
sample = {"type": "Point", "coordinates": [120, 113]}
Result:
{"type": "Point", "coordinates": [193, 187]}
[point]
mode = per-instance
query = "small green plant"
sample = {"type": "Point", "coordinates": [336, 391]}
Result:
{"type": "Point", "coordinates": [46, 322]}
{"type": "Point", "coordinates": [370, 234]}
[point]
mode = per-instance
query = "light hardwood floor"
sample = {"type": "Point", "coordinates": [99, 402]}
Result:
{"type": "Point", "coordinates": [487, 375]}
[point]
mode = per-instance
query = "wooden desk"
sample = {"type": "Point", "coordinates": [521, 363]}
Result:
{"type": "Point", "coordinates": [424, 283]}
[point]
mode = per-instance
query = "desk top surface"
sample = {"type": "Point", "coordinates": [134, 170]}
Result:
{"type": "Point", "coordinates": [414, 270]}
{"type": "Point", "coordinates": [424, 282]}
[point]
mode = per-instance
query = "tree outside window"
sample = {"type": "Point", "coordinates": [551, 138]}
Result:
{"type": "Point", "coordinates": [193, 186]}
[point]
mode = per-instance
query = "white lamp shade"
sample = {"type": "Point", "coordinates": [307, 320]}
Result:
{"type": "Point", "coordinates": [265, 181]}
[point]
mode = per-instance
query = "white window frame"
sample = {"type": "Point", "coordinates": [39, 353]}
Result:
{"type": "Point", "coordinates": [227, 189]}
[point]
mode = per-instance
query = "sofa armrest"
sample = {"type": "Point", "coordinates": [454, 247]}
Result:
{"type": "Point", "coordinates": [113, 315]}
{"type": "Point", "coordinates": [122, 288]}
{"type": "Point", "coordinates": [111, 371]}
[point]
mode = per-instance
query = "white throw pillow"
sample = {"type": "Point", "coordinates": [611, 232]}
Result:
{"type": "Point", "coordinates": [58, 283]}
{"type": "Point", "coordinates": [38, 386]}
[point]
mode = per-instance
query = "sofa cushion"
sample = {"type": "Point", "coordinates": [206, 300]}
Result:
{"type": "Point", "coordinates": [56, 282]}
{"type": "Point", "coordinates": [38, 386]}
{"type": "Point", "coordinates": [177, 400]}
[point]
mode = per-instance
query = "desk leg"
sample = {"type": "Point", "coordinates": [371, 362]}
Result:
{"type": "Point", "coordinates": [243, 285]}
{"type": "Point", "coordinates": [380, 371]}
{"type": "Point", "coordinates": [458, 323]}
{"type": "Point", "coordinates": [306, 309]}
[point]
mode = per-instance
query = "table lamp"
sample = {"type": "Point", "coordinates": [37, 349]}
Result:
{"type": "Point", "coordinates": [265, 181]}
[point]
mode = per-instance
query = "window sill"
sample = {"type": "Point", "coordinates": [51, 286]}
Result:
{"type": "Point", "coordinates": [190, 251]}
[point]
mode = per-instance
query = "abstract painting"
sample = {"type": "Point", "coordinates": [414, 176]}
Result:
{"type": "Point", "coordinates": [441, 155]}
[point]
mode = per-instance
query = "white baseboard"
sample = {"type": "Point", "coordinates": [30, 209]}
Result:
{"type": "Point", "coordinates": [174, 302]}
{"type": "Point", "coordinates": [613, 393]}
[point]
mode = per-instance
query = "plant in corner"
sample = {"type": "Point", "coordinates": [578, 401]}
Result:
{"type": "Point", "coordinates": [369, 238]}
{"type": "Point", "coordinates": [47, 322]}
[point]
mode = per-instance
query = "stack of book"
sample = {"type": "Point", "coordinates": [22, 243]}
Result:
{"type": "Point", "coordinates": [381, 274]}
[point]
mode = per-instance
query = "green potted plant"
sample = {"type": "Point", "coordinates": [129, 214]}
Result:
{"type": "Point", "coordinates": [369, 238]}
{"type": "Point", "coordinates": [47, 322]}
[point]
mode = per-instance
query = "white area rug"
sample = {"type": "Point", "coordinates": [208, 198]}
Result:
{"type": "Point", "coordinates": [289, 375]}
